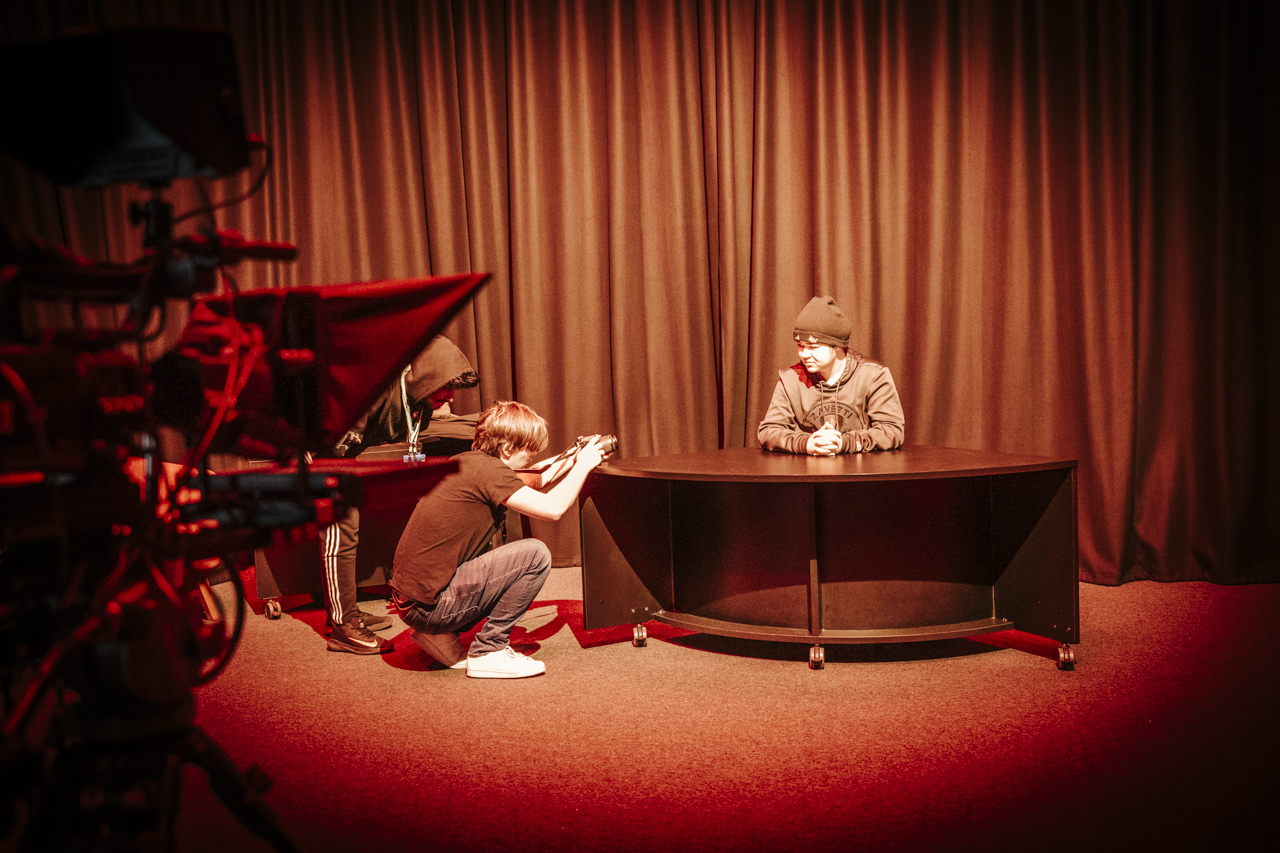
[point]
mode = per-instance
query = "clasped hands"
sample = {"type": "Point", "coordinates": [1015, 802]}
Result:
{"type": "Point", "coordinates": [826, 441]}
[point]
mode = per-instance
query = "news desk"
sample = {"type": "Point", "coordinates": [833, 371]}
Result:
{"type": "Point", "coordinates": [920, 543]}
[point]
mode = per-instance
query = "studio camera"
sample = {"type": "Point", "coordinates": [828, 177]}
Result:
{"type": "Point", "coordinates": [107, 619]}
{"type": "Point", "coordinates": [608, 444]}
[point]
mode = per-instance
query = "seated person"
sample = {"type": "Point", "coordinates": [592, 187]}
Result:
{"type": "Point", "coordinates": [447, 434]}
{"type": "Point", "coordinates": [425, 385]}
{"type": "Point", "coordinates": [835, 400]}
{"type": "Point", "coordinates": [445, 577]}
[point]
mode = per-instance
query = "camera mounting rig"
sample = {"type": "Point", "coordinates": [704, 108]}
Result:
{"type": "Point", "coordinates": [104, 549]}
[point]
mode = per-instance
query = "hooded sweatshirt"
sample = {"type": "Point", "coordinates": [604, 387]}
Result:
{"type": "Point", "coordinates": [441, 365]}
{"type": "Point", "coordinates": [862, 403]}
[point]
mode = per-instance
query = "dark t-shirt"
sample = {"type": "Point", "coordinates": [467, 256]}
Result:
{"type": "Point", "coordinates": [452, 523]}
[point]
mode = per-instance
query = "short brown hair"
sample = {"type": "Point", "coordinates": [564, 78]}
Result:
{"type": "Point", "coordinates": [510, 426]}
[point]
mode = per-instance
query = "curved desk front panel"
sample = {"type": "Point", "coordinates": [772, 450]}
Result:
{"type": "Point", "coordinates": [914, 544]}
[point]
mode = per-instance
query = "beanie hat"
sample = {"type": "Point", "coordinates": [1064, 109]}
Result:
{"type": "Point", "coordinates": [822, 322]}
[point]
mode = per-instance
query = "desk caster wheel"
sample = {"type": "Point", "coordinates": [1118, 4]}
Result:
{"type": "Point", "coordinates": [272, 609]}
{"type": "Point", "coordinates": [1066, 658]}
{"type": "Point", "coordinates": [639, 635]}
{"type": "Point", "coordinates": [817, 658]}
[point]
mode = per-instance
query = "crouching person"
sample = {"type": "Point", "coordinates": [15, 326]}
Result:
{"type": "Point", "coordinates": [446, 578]}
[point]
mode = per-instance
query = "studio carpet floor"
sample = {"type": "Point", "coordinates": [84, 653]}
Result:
{"type": "Point", "coordinates": [1163, 738]}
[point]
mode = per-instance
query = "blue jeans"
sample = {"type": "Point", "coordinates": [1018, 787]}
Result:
{"type": "Point", "coordinates": [500, 584]}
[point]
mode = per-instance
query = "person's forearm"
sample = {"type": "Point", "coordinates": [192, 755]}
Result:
{"type": "Point", "coordinates": [778, 430]}
{"type": "Point", "coordinates": [884, 417]}
{"type": "Point", "coordinates": [783, 439]}
{"type": "Point", "coordinates": [564, 493]}
{"type": "Point", "coordinates": [557, 469]}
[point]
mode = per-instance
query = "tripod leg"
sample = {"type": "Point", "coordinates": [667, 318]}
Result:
{"type": "Point", "coordinates": [241, 792]}
{"type": "Point", "coordinates": [211, 610]}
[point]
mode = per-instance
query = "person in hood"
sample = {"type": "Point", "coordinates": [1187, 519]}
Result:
{"type": "Point", "coordinates": [834, 400]}
{"type": "Point", "coordinates": [424, 386]}
{"type": "Point", "coordinates": [403, 413]}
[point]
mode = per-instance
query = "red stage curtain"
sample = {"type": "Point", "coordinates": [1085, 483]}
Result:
{"type": "Point", "coordinates": [1053, 221]}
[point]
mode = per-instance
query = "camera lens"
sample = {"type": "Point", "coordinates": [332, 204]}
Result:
{"type": "Point", "coordinates": [608, 443]}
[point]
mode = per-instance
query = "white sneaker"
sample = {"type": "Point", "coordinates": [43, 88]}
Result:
{"type": "Point", "coordinates": [504, 664]}
{"type": "Point", "coordinates": [443, 647]}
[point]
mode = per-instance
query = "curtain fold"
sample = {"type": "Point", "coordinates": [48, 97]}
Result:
{"type": "Point", "coordinates": [1054, 222]}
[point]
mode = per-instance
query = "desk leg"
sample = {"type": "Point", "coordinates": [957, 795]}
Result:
{"type": "Point", "coordinates": [817, 657]}
{"type": "Point", "coordinates": [625, 530]}
{"type": "Point", "coordinates": [1061, 653]}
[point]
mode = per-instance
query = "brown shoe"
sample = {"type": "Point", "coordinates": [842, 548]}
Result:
{"type": "Point", "coordinates": [443, 647]}
{"type": "Point", "coordinates": [372, 621]}
{"type": "Point", "coordinates": [352, 636]}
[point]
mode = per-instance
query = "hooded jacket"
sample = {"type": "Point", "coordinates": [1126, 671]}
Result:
{"type": "Point", "coordinates": [438, 367]}
{"type": "Point", "coordinates": [863, 404]}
